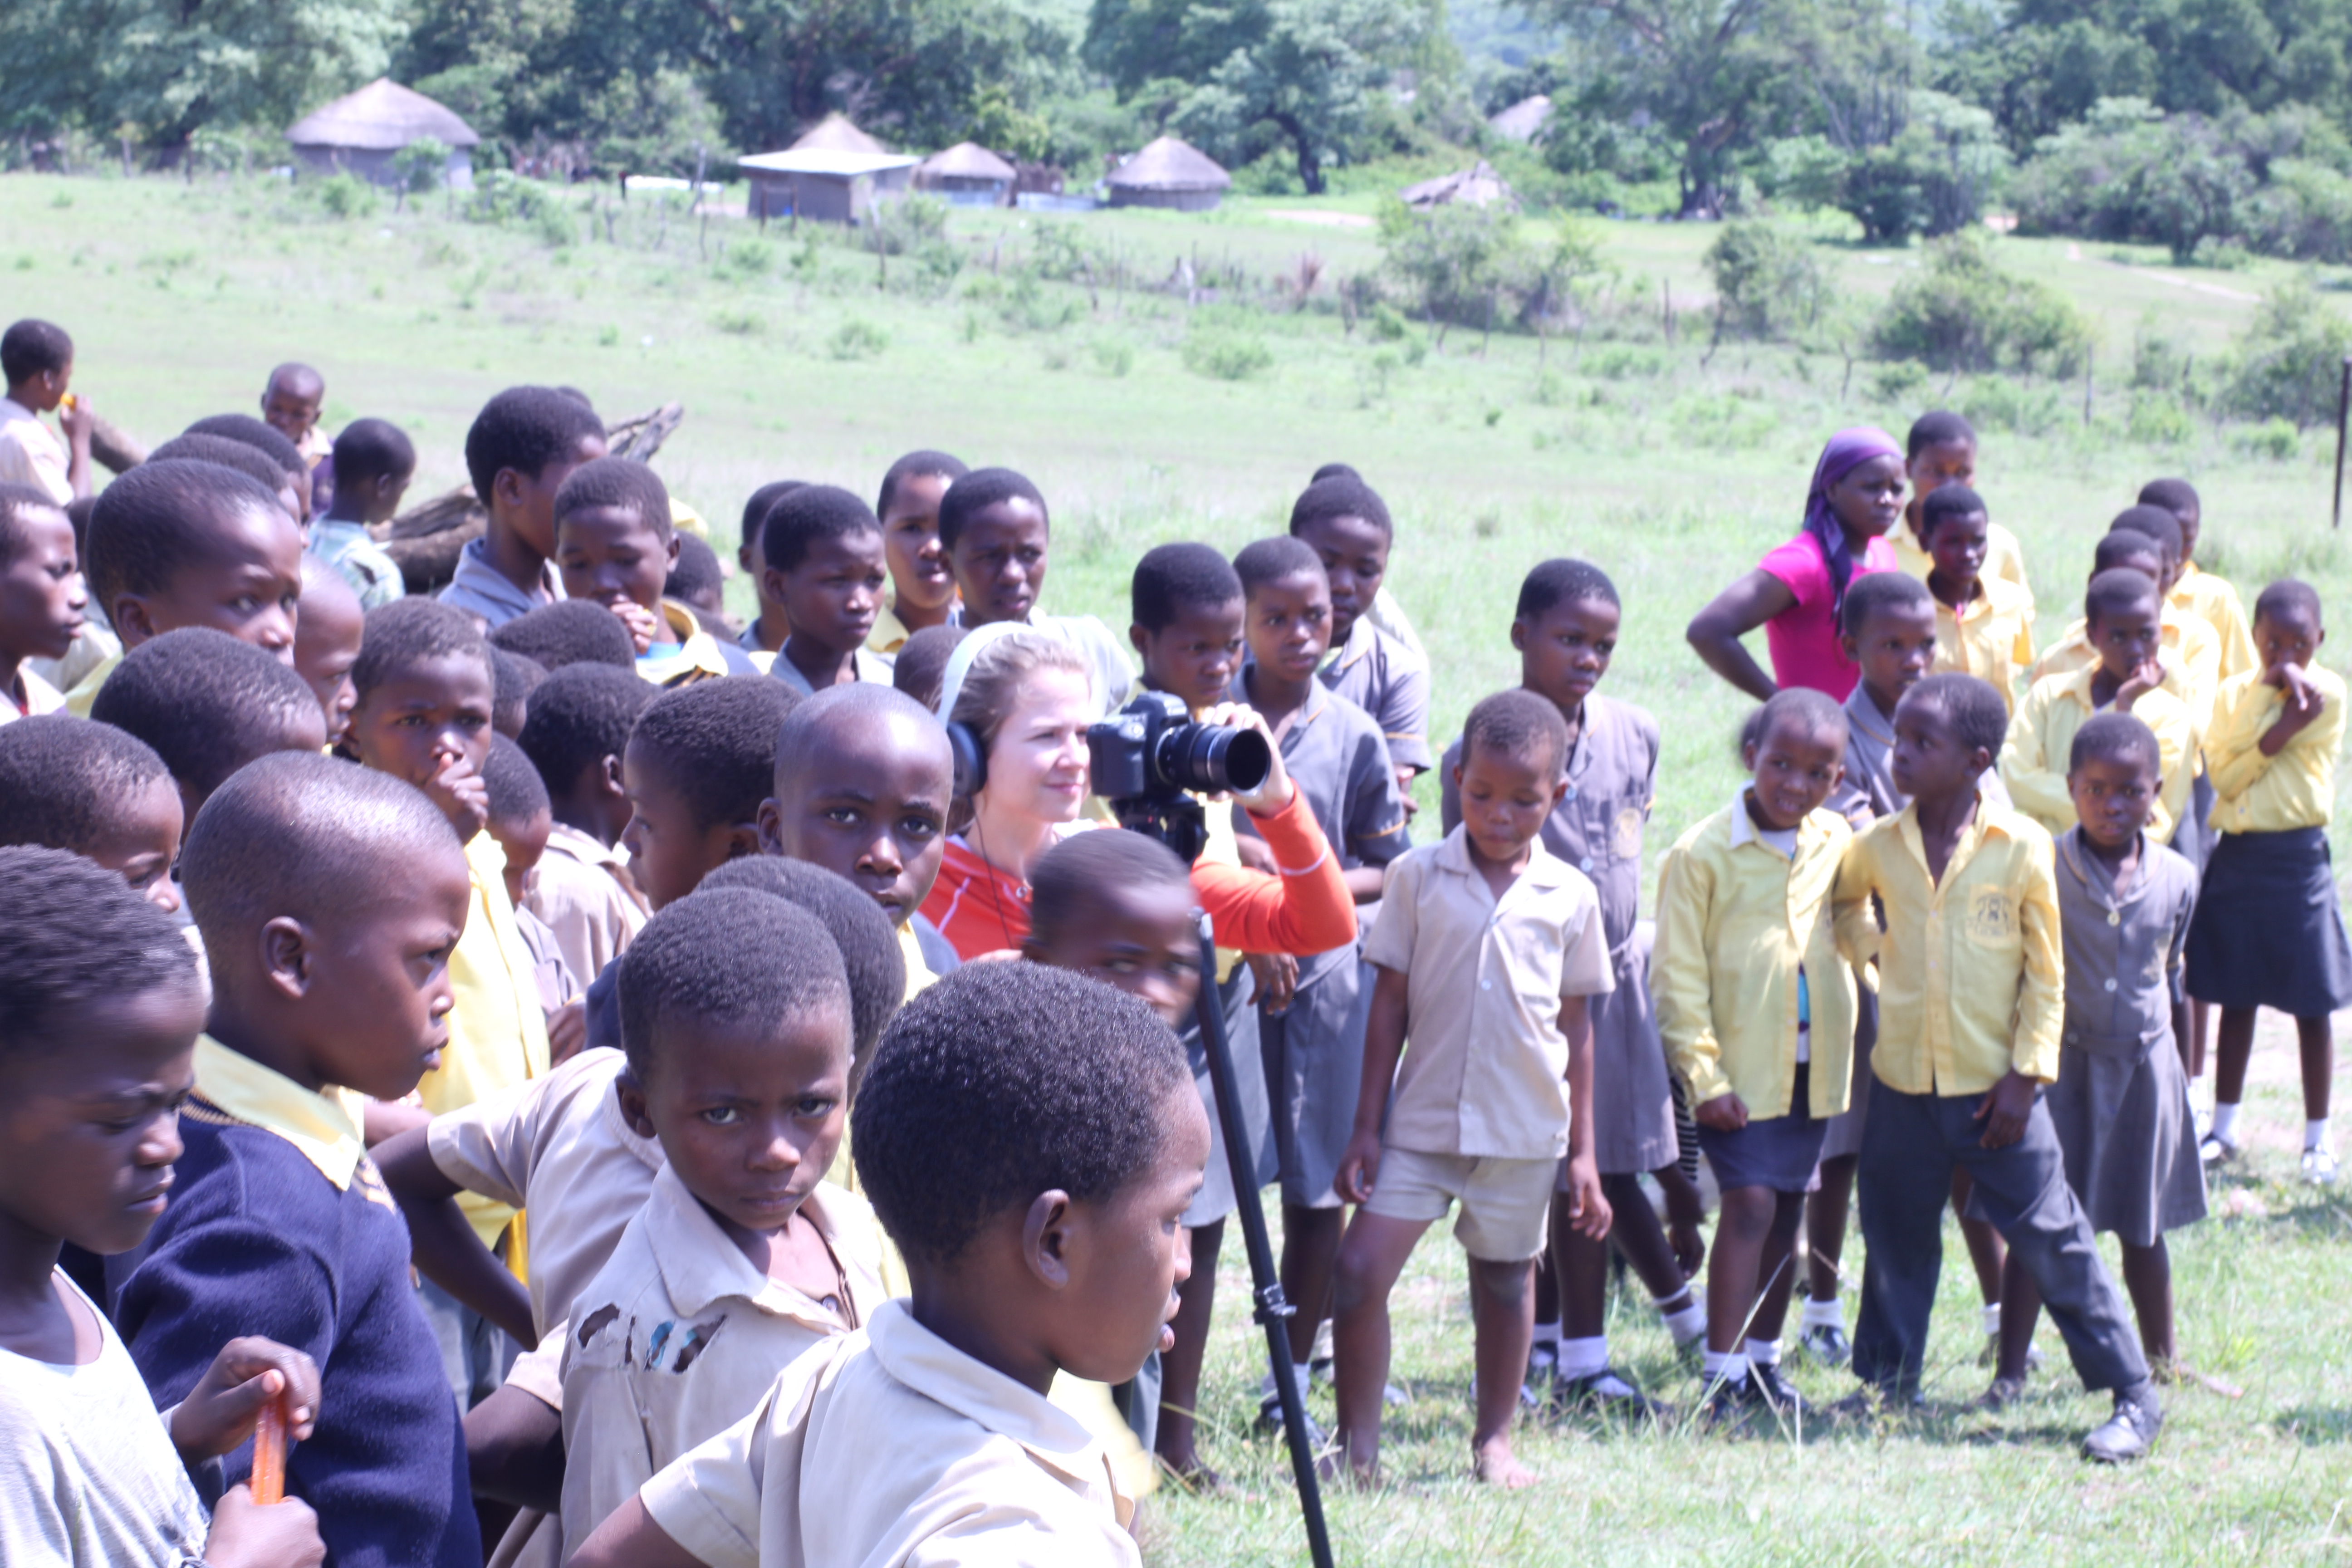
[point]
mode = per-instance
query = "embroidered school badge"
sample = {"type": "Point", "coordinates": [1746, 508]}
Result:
{"type": "Point", "coordinates": [1625, 833]}
{"type": "Point", "coordinates": [1993, 916]}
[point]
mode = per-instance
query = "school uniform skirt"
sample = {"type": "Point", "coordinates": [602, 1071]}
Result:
{"type": "Point", "coordinates": [1215, 1200]}
{"type": "Point", "coordinates": [1632, 1104]}
{"type": "Point", "coordinates": [1314, 1064]}
{"type": "Point", "coordinates": [1778, 1152]}
{"type": "Point", "coordinates": [2268, 932]}
{"type": "Point", "coordinates": [1843, 1137]}
{"type": "Point", "coordinates": [2121, 1112]}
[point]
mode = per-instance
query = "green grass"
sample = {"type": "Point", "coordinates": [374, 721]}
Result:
{"type": "Point", "coordinates": [1674, 476]}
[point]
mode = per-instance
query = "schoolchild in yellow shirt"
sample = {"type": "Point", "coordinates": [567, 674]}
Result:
{"type": "Point", "coordinates": [1971, 995]}
{"type": "Point", "coordinates": [922, 587]}
{"type": "Point", "coordinates": [2269, 930]}
{"type": "Point", "coordinates": [1941, 450]}
{"type": "Point", "coordinates": [2120, 615]}
{"type": "Point", "coordinates": [2195, 590]}
{"type": "Point", "coordinates": [614, 545]}
{"type": "Point", "coordinates": [1756, 1010]}
{"type": "Point", "coordinates": [1984, 624]}
{"type": "Point", "coordinates": [2191, 653]}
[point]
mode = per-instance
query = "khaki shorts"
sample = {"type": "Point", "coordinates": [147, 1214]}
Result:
{"type": "Point", "coordinates": [1504, 1202]}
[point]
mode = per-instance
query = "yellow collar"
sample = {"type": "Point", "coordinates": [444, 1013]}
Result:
{"type": "Point", "coordinates": [324, 1126]}
{"type": "Point", "coordinates": [698, 656]}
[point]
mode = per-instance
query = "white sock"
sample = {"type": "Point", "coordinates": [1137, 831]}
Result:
{"type": "Point", "coordinates": [1764, 1352]}
{"type": "Point", "coordinates": [1829, 1314]}
{"type": "Point", "coordinates": [1685, 1325]}
{"type": "Point", "coordinates": [2225, 1122]}
{"type": "Point", "coordinates": [1992, 1319]}
{"type": "Point", "coordinates": [1548, 1335]}
{"type": "Point", "coordinates": [2315, 1134]}
{"type": "Point", "coordinates": [1730, 1365]}
{"type": "Point", "coordinates": [1582, 1358]}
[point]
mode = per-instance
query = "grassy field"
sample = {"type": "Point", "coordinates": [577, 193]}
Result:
{"type": "Point", "coordinates": [793, 360]}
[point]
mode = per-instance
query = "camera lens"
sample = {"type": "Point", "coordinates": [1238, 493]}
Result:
{"type": "Point", "coordinates": [1214, 758]}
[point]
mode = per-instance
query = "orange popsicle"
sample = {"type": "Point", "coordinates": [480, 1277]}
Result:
{"type": "Point", "coordinates": [269, 1453]}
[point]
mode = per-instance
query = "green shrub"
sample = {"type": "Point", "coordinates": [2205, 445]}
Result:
{"type": "Point", "coordinates": [555, 225]}
{"type": "Point", "coordinates": [347, 195]}
{"type": "Point", "coordinates": [2274, 438]}
{"type": "Point", "coordinates": [749, 259]}
{"type": "Point", "coordinates": [1113, 356]}
{"type": "Point", "coordinates": [1226, 355]}
{"type": "Point", "coordinates": [856, 339]}
{"type": "Point", "coordinates": [1766, 280]}
{"type": "Point", "coordinates": [1896, 381]}
{"type": "Point", "coordinates": [1963, 312]}
{"type": "Point", "coordinates": [1386, 323]}
{"type": "Point", "coordinates": [2005, 402]}
{"type": "Point", "coordinates": [739, 323]}
{"type": "Point", "coordinates": [2157, 420]}
{"type": "Point", "coordinates": [420, 166]}
{"type": "Point", "coordinates": [1618, 362]}
{"type": "Point", "coordinates": [2288, 363]}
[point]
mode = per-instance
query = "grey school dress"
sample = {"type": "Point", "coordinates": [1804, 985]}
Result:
{"type": "Point", "coordinates": [2120, 1104]}
{"type": "Point", "coordinates": [1598, 828]}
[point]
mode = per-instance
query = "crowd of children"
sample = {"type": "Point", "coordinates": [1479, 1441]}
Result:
{"type": "Point", "coordinates": [541, 1070]}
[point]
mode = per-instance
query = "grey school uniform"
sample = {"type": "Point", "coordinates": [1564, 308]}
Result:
{"type": "Point", "coordinates": [1314, 1051]}
{"type": "Point", "coordinates": [1391, 683]}
{"type": "Point", "coordinates": [2120, 1103]}
{"type": "Point", "coordinates": [1597, 828]}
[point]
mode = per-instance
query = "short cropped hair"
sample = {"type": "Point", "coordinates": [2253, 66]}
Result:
{"type": "Point", "coordinates": [30, 347]}
{"type": "Point", "coordinates": [1949, 500]}
{"type": "Point", "coordinates": [206, 702]}
{"type": "Point", "coordinates": [259, 433]}
{"type": "Point", "coordinates": [1173, 578]}
{"type": "Point", "coordinates": [2178, 497]}
{"type": "Point", "coordinates": [249, 460]}
{"type": "Point", "coordinates": [297, 378]}
{"type": "Point", "coordinates": [2113, 592]}
{"type": "Point", "coordinates": [1002, 1081]}
{"type": "Point", "coordinates": [623, 483]}
{"type": "Point", "coordinates": [1875, 591]}
{"type": "Point", "coordinates": [91, 939]}
{"type": "Point", "coordinates": [525, 428]}
{"type": "Point", "coordinates": [871, 958]}
{"type": "Point", "coordinates": [569, 631]}
{"type": "Point", "coordinates": [920, 465]}
{"type": "Point", "coordinates": [1564, 582]}
{"type": "Point", "coordinates": [517, 794]}
{"type": "Point", "coordinates": [810, 516]}
{"type": "Point", "coordinates": [715, 743]}
{"type": "Point", "coordinates": [152, 522]}
{"type": "Point", "coordinates": [303, 835]}
{"type": "Point", "coordinates": [2122, 547]}
{"type": "Point", "coordinates": [1333, 472]}
{"type": "Point", "coordinates": [922, 666]}
{"type": "Point", "coordinates": [1817, 713]}
{"type": "Point", "coordinates": [695, 572]}
{"type": "Point", "coordinates": [372, 448]}
{"type": "Point", "coordinates": [399, 636]}
{"type": "Point", "coordinates": [1069, 882]}
{"type": "Point", "coordinates": [1273, 559]}
{"type": "Point", "coordinates": [729, 957]}
{"type": "Point", "coordinates": [14, 501]}
{"type": "Point", "coordinates": [2152, 521]}
{"type": "Point", "coordinates": [1520, 726]}
{"type": "Point", "coordinates": [66, 781]}
{"type": "Point", "coordinates": [801, 740]}
{"type": "Point", "coordinates": [2112, 737]}
{"type": "Point", "coordinates": [2287, 597]}
{"type": "Point", "coordinates": [513, 678]}
{"type": "Point", "coordinates": [581, 716]}
{"type": "Point", "coordinates": [755, 508]}
{"type": "Point", "coordinates": [1341, 495]}
{"type": "Point", "coordinates": [976, 491]}
{"type": "Point", "coordinates": [1973, 708]}
{"type": "Point", "coordinates": [1937, 428]}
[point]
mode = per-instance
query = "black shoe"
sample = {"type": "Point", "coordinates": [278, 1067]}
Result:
{"type": "Point", "coordinates": [1773, 1385]}
{"type": "Point", "coordinates": [1604, 1393]}
{"type": "Point", "coordinates": [1269, 1421]}
{"type": "Point", "coordinates": [1869, 1403]}
{"type": "Point", "coordinates": [1732, 1400]}
{"type": "Point", "coordinates": [2130, 1432]}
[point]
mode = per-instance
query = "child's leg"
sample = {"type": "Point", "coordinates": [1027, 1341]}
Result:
{"type": "Point", "coordinates": [1636, 1232]}
{"type": "Point", "coordinates": [1311, 1246]}
{"type": "Point", "coordinates": [1372, 1255]}
{"type": "Point", "coordinates": [1180, 1368]}
{"type": "Point", "coordinates": [2021, 1311]}
{"type": "Point", "coordinates": [2192, 1046]}
{"type": "Point", "coordinates": [1775, 1267]}
{"type": "Point", "coordinates": [1985, 1251]}
{"type": "Point", "coordinates": [1502, 1310]}
{"type": "Point", "coordinates": [2317, 1040]}
{"type": "Point", "coordinates": [2233, 1047]}
{"type": "Point", "coordinates": [2147, 1275]}
{"type": "Point", "coordinates": [1743, 1231]}
{"type": "Point", "coordinates": [1905, 1180]}
{"type": "Point", "coordinates": [1825, 1218]}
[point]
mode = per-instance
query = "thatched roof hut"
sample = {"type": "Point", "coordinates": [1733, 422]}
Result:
{"type": "Point", "coordinates": [835, 173]}
{"type": "Point", "coordinates": [360, 132]}
{"type": "Point", "coordinates": [837, 133]}
{"type": "Point", "coordinates": [1169, 173]}
{"type": "Point", "coordinates": [968, 174]}
{"type": "Point", "coordinates": [1475, 186]}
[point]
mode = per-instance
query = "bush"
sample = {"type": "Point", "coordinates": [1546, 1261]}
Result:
{"type": "Point", "coordinates": [555, 225]}
{"type": "Point", "coordinates": [857, 339]}
{"type": "Point", "coordinates": [1113, 356]}
{"type": "Point", "coordinates": [1962, 313]}
{"type": "Point", "coordinates": [347, 195]}
{"type": "Point", "coordinates": [1226, 355]}
{"type": "Point", "coordinates": [2289, 363]}
{"type": "Point", "coordinates": [1766, 282]}
{"type": "Point", "coordinates": [2304, 213]}
{"type": "Point", "coordinates": [2000, 402]}
{"type": "Point", "coordinates": [749, 259]}
{"type": "Point", "coordinates": [2274, 438]}
{"type": "Point", "coordinates": [1932, 178]}
{"type": "Point", "coordinates": [2157, 420]}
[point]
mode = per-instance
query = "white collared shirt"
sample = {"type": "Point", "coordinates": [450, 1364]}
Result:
{"type": "Point", "coordinates": [31, 454]}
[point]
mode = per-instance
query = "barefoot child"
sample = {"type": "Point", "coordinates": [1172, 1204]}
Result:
{"type": "Point", "coordinates": [1477, 934]}
{"type": "Point", "coordinates": [615, 547]}
{"type": "Point", "coordinates": [522, 446]}
{"type": "Point", "coordinates": [825, 567]}
{"type": "Point", "coordinates": [2269, 932]}
{"type": "Point", "coordinates": [373, 464]}
{"type": "Point", "coordinates": [1984, 624]}
{"type": "Point", "coordinates": [41, 598]}
{"type": "Point", "coordinates": [1565, 629]}
{"type": "Point", "coordinates": [1971, 1001]}
{"type": "Point", "coordinates": [1029, 1139]}
{"type": "Point", "coordinates": [100, 1020]}
{"type": "Point", "coordinates": [1756, 1010]}
{"type": "Point", "coordinates": [922, 587]}
{"type": "Point", "coordinates": [2120, 1105]}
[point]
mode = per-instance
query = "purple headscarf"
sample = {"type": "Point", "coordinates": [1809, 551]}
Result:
{"type": "Point", "coordinates": [1844, 452]}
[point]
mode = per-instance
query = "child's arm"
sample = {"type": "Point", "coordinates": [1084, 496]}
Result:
{"type": "Point", "coordinates": [2026, 767]}
{"type": "Point", "coordinates": [220, 1412]}
{"type": "Point", "coordinates": [1588, 1206]}
{"type": "Point", "coordinates": [630, 1539]}
{"type": "Point", "coordinates": [442, 1243]}
{"type": "Point", "coordinates": [2041, 1006]}
{"type": "Point", "coordinates": [1852, 922]}
{"type": "Point", "coordinates": [1682, 980]}
{"type": "Point", "coordinates": [1376, 820]}
{"type": "Point", "coordinates": [1360, 1167]}
{"type": "Point", "coordinates": [2176, 749]}
{"type": "Point", "coordinates": [2304, 705]}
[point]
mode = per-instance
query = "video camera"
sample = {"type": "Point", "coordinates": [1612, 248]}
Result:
{"type": "Point", "coordinates": [1149, 761]}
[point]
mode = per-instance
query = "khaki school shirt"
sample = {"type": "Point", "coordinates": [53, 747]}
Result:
{"type": "Point", "coordinates": [2040, 748]}
{"type": "Point", "coordinates": [1991, 639]}
{"type": "Point", "coordinates": [891, 1447]}
{"type": "Point", "coordinates": [1971, 980]}
{"type": "Point", "coordinates": [1484, 1073]}
{"type": "Point", "coordinates": [2273, 795]}
{"type": "Point", "coordinates": [1736, 919]}
{"type": "Point", "coordinates": [679, 1337]}
{"type": "Point", "coordinates": [584, 891]}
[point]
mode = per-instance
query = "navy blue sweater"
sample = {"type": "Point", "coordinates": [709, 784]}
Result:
{"type": "Point", "coordinates": [256, 1241]}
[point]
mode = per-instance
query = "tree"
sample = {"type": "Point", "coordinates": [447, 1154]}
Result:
{"type": "Point", "coordinates": [1931, 173]}
{"type": "Point", "coordinates": [1312, 69]}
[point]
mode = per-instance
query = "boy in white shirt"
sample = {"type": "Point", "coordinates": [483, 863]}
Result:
{"type": "Point", "coordinates": [38, 359]}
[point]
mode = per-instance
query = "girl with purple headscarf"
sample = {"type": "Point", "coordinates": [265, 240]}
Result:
{"type": "Point", "coordinates": [1797, 591]}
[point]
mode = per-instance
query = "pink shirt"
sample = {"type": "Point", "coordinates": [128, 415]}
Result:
{"type": "Point", "coordinates": [1803, 638]}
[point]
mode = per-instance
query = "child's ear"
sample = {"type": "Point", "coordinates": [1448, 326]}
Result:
{"type": "Point", "coordinates": [770, 823]}
{"type": "Point", "coordinates": [771, 583]}
{"type": "Point", "coordinates": [742, 840]}
{"type": "Point", "coordinates": [608, 780]}
{"type": "Point", "coordinates": [286, 957]}
{"type": "Point", "coordinates": [671, 557]}
{"type": "Point", "coordinates": [129, 616]}
{"type": "Point", "coordinates": [1519, 635]}
{"type": "Point", "coordinates": [506, 488]}
{"type": "Point", "coordinates": [1747, 756]}
{"type": "Point", "coordinates": [1559, 792]}
{"type": "Point", "coordinates": [1141, 639]}
{"type": "Point", "coordinates": [1851, 645]}
{"type": "Point", "coordinates": [631, 1096]}
{"type": "Point", "coordinates": [1046, 1238]}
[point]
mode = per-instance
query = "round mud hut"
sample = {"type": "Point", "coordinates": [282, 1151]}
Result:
{"type": "Point", "coordinates": [1169, 173]}
{"type": "Point", "coordinates": [361, 132]}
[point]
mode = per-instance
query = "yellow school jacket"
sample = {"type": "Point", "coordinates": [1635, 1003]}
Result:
{"type": "Point", "coordinates": [2034, 758]}
{"type": "Point", "coordinates": [2273, 795]}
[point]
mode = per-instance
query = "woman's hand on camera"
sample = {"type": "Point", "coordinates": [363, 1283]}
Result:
{"type": "Point", "coordinates": [1276, 792]}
